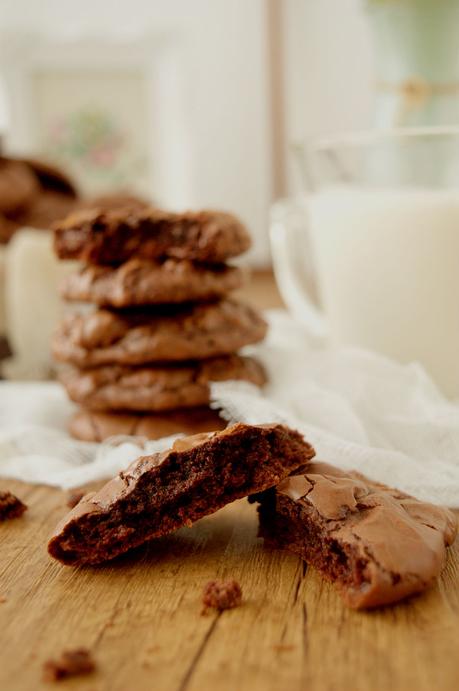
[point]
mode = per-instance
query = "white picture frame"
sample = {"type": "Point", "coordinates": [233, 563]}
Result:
{"type": "Point", "coordinates": [36, 70]}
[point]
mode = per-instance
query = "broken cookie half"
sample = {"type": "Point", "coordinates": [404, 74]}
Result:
{"type": "Point", "coordinates": [162, 492]}
{"type": "Point", "coordinates": [378, 545]}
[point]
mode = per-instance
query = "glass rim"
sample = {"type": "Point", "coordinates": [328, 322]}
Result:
{"type": "Point", "coordinates": [362, 138]}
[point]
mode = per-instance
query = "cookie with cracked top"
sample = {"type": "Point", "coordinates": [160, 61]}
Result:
{"type": "Point", "coordinates": [162, 492]}
{"type": "Point", "coordinates": [113, 236]}
{"type": "Point", "coordinates": [377, 544]}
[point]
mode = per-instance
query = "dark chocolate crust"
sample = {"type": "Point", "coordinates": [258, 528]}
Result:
{"type": "Point", "coordinates": [378, 545]}
{"type": "Point", "coordinates": [187, 332]}
{"type": "Point", "coordinates": [154, 389]}
{"type": "Point", "coordinates": [142, 282]}
{"type": "Point", "coordinates": [114, 236]}
{"type": "Point", "coordinates": [97, 426]}
{"type": "Point", "coordinates": [160, 493]}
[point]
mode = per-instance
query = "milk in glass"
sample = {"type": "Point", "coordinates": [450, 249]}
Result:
{"type": "Point", "coordinates": [388, 269]}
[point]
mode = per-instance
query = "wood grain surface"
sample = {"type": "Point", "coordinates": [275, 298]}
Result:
{"type": "Point", "coordinates": [141, 615]}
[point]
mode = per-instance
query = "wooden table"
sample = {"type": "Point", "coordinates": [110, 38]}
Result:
{"type": "Point", "coordinates": [141, 616]}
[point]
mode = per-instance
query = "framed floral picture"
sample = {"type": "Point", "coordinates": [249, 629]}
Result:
{"type": "Point", "coordinates": [111, 113]}
{"type": "Point", "coordinates": [95, 124]}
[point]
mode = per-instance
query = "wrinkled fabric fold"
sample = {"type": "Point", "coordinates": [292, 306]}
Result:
{"type": "Point", "coordinates": [360, 411]}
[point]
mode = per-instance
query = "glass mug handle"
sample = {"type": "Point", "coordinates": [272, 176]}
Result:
{"type": "Point", "coordinates": [292, 263]}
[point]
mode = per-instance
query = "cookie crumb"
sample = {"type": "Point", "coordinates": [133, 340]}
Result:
{"type": "Point", "coordinates": [71, 663]}
{"type": "Point", "coordinates": [10, 506]}
{"type": "Point", "coordinates": [221, 595]}
{"type": "Point", "coordinates": [74, 498]}
{"type": "Point", "coordinates": [2, 599]}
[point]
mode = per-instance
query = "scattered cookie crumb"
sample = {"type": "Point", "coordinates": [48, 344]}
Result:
{"type": "Point", "coordinates": [10, 506]}
{"type": "Point", "coordinates": [221, 595]}
{"type": "Point", "coordinates": [2, 599]}
{"type": "Point", "coordinates": [70, 664]}
{"type": "Point", "coordinates": [74, 498]}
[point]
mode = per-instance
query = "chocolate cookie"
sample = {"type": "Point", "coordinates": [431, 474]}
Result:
{"type": "Point", "coordinates": [157, 335]}
{"type": "Point", "coordinates": [98, 426]}
{"type": "Point", "coordinates": [160, 493]}
{"type": "Point", "coordinates": [45, 209]}
{"type": "Point", "coordinates": [7, 229]}
{"type": "Point", "coordinates": [18, 185]}
{"type": "Point", "coordinates": [143, 282]}
{"type": "Point", "coordinates": [377, 544]}
{"type": "Point", "coordinates": [51, 177]}
{"type": "Point", "coordinates": [116, 387]}
{"type": "Point", "coordinates": [114, 236]}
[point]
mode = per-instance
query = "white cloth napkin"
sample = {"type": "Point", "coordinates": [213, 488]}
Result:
{"type": "Point", "coordinates": [35, 447]}
{"type": "Point", "coordinates": [358, 409]}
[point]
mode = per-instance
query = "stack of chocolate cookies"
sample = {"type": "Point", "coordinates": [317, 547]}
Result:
{"type": "Point", "coordinates": [163, 327]}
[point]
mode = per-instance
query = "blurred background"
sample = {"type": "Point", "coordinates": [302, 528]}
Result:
{"type": "Point", "coordinates": [190, 103]}
{"type": "Point", "coordinates": [195, 104]}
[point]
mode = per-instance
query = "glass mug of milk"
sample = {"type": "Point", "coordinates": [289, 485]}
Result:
{"type": "Point", "coordinates": [378, 225]}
